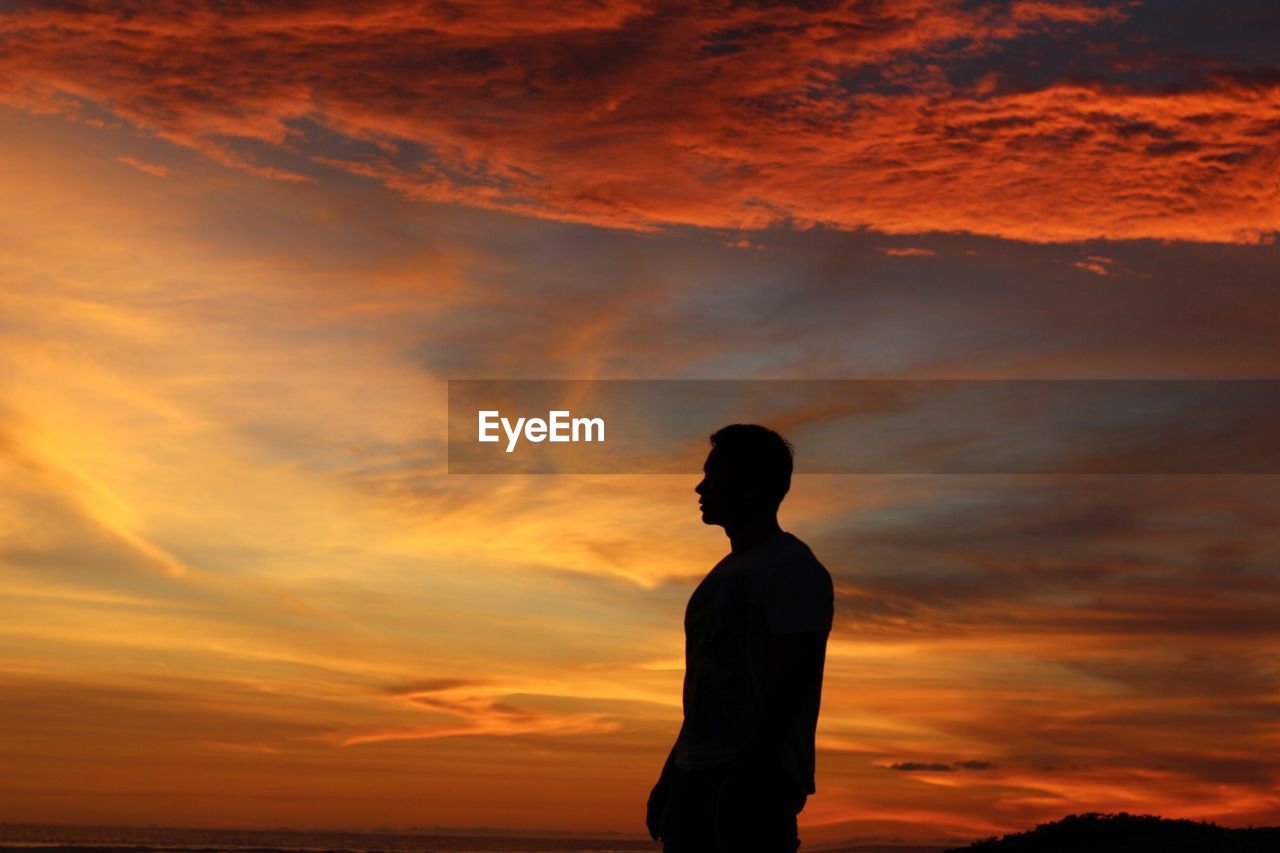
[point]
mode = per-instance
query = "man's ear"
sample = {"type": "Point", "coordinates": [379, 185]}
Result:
{"type": "Point", "coordinates": [760, 497]}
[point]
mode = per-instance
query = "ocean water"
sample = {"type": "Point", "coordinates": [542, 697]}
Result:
{"type": "Point", "coordinates": [47, 838]}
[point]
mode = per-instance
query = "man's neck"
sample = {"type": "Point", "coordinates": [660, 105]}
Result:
{"type": "Point", "coordinates": [748, 534]}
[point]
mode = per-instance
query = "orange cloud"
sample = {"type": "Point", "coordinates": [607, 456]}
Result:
{"type": "Point", "coordinates": [154, 169]}
{"type": "Point", "coordinates": [1092, 266]}
{"type": "Point", "coordinates": [636, 116]}
{"type": "Point", "coordinates": [907, 253]}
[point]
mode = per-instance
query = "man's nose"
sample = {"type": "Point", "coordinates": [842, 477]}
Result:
{"type": "Point", "coordinates": [698, 488]}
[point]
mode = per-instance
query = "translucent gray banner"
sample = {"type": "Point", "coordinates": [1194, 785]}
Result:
{"type": "Point", "coordinates": [1139, 426]}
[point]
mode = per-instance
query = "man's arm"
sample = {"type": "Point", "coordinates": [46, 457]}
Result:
{"type": "Point", "coordinates": [795, 662]}
{"type": "Point", "coordinates": [671, 757]}
{"type": "Point", "coordinates": [658, 796]}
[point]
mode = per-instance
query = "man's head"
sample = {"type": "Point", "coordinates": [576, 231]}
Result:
{"type": "Point", "coordinates": [746, 475]}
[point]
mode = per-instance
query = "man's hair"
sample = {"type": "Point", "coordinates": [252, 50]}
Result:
{"type": "Point", "coordinates": [758, 455]}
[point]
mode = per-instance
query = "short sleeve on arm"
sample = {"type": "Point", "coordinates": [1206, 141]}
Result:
{"type": "Point", "coordinates": [800, 598]}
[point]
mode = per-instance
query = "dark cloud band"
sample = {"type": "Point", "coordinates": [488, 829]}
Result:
{"type": "Point", "coordinates": [871, 426]}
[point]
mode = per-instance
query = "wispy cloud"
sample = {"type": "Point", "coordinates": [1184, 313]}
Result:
{"type": "Point", "coordinates": [157, 170]}
{"type": "Point", "coordinates": [908, 252]}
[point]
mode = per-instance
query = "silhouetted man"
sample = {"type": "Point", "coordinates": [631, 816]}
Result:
{"type": "Point", "coordinates": [755, 642]}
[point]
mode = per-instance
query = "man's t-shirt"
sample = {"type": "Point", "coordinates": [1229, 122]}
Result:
{"type": "Point", "coordinates": [778, 587]}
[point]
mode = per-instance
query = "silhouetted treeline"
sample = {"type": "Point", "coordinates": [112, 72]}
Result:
{"type": "Point", "coordinates": [1125, 833]}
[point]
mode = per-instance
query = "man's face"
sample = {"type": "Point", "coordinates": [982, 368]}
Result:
{"type": "Point", "coordinates": [718, 495]}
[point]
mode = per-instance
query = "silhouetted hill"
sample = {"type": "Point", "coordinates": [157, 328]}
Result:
{"type": "Point", "coordinates": [1126, 833]}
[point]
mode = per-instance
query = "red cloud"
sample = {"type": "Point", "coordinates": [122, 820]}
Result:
{"type": "Point", "coordinates": [641, 116]}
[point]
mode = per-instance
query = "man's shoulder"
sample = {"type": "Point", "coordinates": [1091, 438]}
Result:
{"type": "Point", "coordinates": [794, 562]}
{"type": "Point", "coordinates": [794, 553]}
{"type": "Point", "coordinates": [798, 591]}
{"type": "Point", "coordinates": [785, 556]}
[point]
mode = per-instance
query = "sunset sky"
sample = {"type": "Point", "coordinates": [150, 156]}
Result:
{"type": "Point", "coordinates": [244, 245]}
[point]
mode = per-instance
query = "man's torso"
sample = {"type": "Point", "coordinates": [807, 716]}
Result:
{"type": "Point", "coordinates": [727, 626]}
